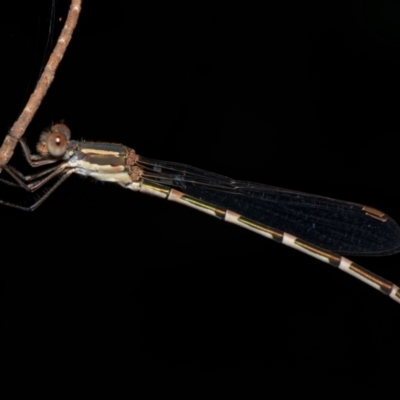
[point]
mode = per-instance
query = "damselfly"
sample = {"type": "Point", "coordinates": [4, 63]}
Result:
{"type": "Point", "coordinates": [321, 227]}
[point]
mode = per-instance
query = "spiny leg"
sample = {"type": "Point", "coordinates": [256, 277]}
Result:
{"type": "Point", "coordinates": [22, 180]}
{"type": "Point", "coordinates": [35, 160]}
{"type": "Point", "coordinates": [35, 205]}
{"type": "Point", "coordinates": [52, 147]}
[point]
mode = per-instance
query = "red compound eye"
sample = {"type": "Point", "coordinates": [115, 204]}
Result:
{"type": "Point", "coordinates": [57, 144]}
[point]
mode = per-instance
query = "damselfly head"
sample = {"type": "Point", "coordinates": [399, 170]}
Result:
{"type": "Point", "coordinates": [54, 141]}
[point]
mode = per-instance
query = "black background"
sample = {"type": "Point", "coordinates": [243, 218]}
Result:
{"type": "Point", "coordinates": [302, 95]}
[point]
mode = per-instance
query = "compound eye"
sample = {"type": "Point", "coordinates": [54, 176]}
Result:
{"type": "Point", "coordinates": [61, 128]}
{"type": "Point", "coordinates": [57, 144]}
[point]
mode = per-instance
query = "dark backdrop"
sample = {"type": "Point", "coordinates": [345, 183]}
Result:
{"type": "Point", "coordinates": [302, 95]}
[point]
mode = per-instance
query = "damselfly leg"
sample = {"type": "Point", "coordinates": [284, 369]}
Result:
{"type": "Point", "coordinates": [51, 146]}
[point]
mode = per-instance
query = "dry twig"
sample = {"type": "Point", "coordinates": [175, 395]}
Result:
{"type": "Point", "coordinates": [20, 125]}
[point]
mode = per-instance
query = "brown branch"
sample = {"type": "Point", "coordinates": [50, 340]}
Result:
{"type": "Point", "coordinates": [20, 125]}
